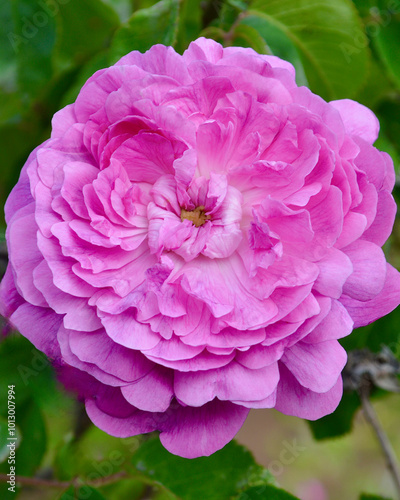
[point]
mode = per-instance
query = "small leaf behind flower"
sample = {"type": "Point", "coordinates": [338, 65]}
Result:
{"type": "Point", "coordinates": [225, 474]}
{"type": "Point", "coordinates": [266, 492]}
{"type": "Point", "coordinates": [329, 38]}
{"type": "Point", "coordinates": [147, 27]}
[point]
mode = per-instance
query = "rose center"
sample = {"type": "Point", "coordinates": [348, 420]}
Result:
{"type": "Point", "coordinates": [197, 216]}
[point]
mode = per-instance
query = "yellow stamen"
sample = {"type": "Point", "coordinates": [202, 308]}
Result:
{"type": "Point", "coordinates": [197, 216]}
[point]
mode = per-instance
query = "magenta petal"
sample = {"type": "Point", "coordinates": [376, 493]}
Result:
{"type": "Point", "coordinates": [195, 432]}
{"type": "Point", "coordinates": [125, 330]}
{"type": "Point", "coordinates": [259, 356]}
{"type": "Point", "coordinates": [334, 269]}
{"type": "Point", "coordinates": [294, 399]}
{"type": "Point", "coordinates": [78, 314]}
{"type": "Point", "coordinates": [335, 325]}
{"type": "Point", "coordinates": [39, 325]}
{"type": "Point", "coordinates": [20, 196]}
{"type": "Point", "coordinates": [153, 392]}
{"type": "Point", "coordinates": [316, 367]}
{"type": "Point", "coordinates": [369, 270]}
{"type": "Point", "coordinates": [98, 349]}
{"type": "Point", "coordinates": [10, 299]}
{"type": "Point", "coordinates": [24, 254]}
{"type": "Point", "coordinates": [365, 312]}
{"type": "Point", "coordinates": [231, 382]}
{"type": "Point", "coordinates": [194, 238]}
{"type": "Point", "coordinates": [77, 175]}
{"type": "Point", "coordinates": [139, 422]}
{"type": "Point", "coordinates": [63, 337]}
{"type": "Point", "coordinates": [379, 231]}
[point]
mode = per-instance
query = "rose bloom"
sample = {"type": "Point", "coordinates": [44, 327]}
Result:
{"type": "Point", "coordinates": [194, 238]}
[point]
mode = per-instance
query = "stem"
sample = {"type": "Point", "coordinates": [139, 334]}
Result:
{"type": "Point", "coordinates": [372, 419]}
{"type": "Point", "coordinates": [34, 481]}
{"type": "Point", "coordinates": [53, 483]}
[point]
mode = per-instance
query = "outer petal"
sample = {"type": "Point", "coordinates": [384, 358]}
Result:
{"type": "Point", "coordinates": [40, 326]}
{"type": "Point", "coordinates": [358, 119]}
{"type": "Point", "coordinates": [195, 432]}
{"type": "Point", "coordinates": [365, 312]}
{"type": "Point", "coordinates": [369, 268]}
{"type": "Point", "coordinates": [10, 299]}
{"type": "Point", "coordinates": [316, 367]}
{"type": "Point", "coordinates": [294, 399]}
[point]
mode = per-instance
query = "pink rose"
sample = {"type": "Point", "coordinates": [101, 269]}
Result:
{"type": "Point", "coordinates": [194, 238]}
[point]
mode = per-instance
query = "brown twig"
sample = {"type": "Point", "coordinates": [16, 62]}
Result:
{"type": "Point", "coordinates": [388, 452]}
{"type": "Point", "coordinates": [53, 483]}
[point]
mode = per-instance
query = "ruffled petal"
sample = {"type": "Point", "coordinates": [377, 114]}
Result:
{"type": "Point", "coordinates": [294, 399]}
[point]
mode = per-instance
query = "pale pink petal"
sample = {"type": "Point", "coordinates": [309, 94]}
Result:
{"type": "Point", "coordinates": [357, 119]}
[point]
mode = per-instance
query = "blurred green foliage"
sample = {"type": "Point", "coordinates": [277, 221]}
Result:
{"type": "Point", "coordinates": [48, 49]}
{"type": "Point", "coordinates": [185, 478]}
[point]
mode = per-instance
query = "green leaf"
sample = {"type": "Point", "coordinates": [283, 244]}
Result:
{"type": "Point", "coordinates": [363, 6]}
{"type": "Point", "coordinates": [99, 61]}
{"type": "Point", "coordinates": [265, 492]}
{"type": "Point", "coordinates": [383, 143]}
{"type": "Point", "coordinates": [217, 34]}
{"type": "Point", "coordinates": [126, 489]}
{"type": "Point", "coordinates": [247, 36]}
{"type": "Point", "coordinates": [228, 13]}
{"type": "Point", "coordinates": [82, 493]}
{"type": "Point", "coordinates": [327, 36]}
{"type": "Point", "coordinates": [222, 475]}
{"type": "Point", "coordinates": [388, 114]}
{"type": "Point", "coordinates": [86, 27]}
{"type": "Point", "coordinates": [366, 496]}
{"type": "Point", "coordinates": [28, 369]}
{"type": "Point", "coordinates": [278, 41]}
{"type": "Point", "coordinates": [33, 437]}
{"type": "Point", "coordinates": [94, 455]}
{"type": "Point", "coordinates": [33, 40]}
{"type": "Point", "coordinates": [147, 27]}
{"type": "Point", "coordinates": [190, 22]}
{"type": "Point", "coordinates": [339, 422]}
{"type": "Point", "coordinates": [8, 48]}
{"type": "Point", "coordinates": [384, 331]}
{"type": "Point", "coordinates": [384, 29]}
{"type": "Point", "coordinates": [5, 493]}
{"type": "Point", "coordinates": [122, 7]}
{"type": "Point", "coordinates": [377, 86]}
